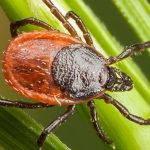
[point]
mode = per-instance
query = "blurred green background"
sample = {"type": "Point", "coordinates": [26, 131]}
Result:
{"type": "Point", "coordinates": [75, 133]}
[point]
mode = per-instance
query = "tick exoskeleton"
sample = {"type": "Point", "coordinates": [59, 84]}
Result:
{"type": "Point", "coordinates": [55, 68]}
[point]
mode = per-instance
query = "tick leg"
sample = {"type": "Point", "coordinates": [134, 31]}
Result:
{"type": "Point", "coordinates": [14, 26]}
{"type": "Point", "coordinates": [18, 104]}
{"type": "Point", "coordinates": [60, 17]}
{"type": "Point", "coordinates": [81, 25]}
{"type": "Point", "coordinates": [99, 131]}
{"type": "Point", "coordinates": [54, 124]}
{"type": "Point", "coordinates": [136, 48]}
{"type": "Point", "coordinates": [124, 111]}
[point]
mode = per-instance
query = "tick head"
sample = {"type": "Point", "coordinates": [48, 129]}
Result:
{"type": "Point", "coordinates": [118, 80]}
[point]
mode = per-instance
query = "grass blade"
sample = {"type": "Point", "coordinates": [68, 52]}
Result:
{"type": "Point", "coordinates": [15, 123]}
{"type": "Point", "coordinates": [137, 15]}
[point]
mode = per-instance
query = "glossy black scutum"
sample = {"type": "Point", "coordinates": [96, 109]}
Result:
{"type": "Point", "coordinates": [79, 71]}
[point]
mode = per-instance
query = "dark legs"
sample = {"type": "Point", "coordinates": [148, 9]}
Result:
{"type": "Point", "coordinates": [81, 25]}
{"type": "Point", "coordinates": [19, 104]}
{"type": "Point", "coordinates": [67, 25]}
{"type": "Point", "coordinates": [60, 17]}
{"type": "Point", "coordinates": [99, 131]}
{"type": "Point", "coordinates": [14, 26]}
{"type": "Point", "coordinates": [129, 51]}
{"type": "Point", "coordinates": [54, 124]}
{"type": "Point", "coordinates": [124, 111]}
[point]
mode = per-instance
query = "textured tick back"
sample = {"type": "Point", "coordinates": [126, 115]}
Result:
{"type": "Point", "coordinates": [79, 71]}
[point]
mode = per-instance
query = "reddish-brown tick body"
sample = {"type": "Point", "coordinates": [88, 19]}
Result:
{"type": "Point", "coordinates": [36, 64]}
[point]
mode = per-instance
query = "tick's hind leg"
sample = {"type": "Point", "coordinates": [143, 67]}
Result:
{"type": "Point", "coordinates": [19, 104]}
{"type": "Point", "coordinates": [136, 48]}
{"type": "Point", "coordinates": [99, 131]}
{"type": "Point", "coordinates": [124, 111]}
{"type": "Point", "coordinates": [33, 21]}
{"type": "Point", "coordinates": [54, 124]}
{"type": "Point", "coordinates": [81, 25]}
{"type": "Point", "coordinates": [60, 17]}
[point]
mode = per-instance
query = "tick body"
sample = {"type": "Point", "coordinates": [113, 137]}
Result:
{"type": "Point", "coordinates": [55, 68]}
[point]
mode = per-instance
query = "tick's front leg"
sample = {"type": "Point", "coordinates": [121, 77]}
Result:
{"type": "Point", "coordinates": [136, 48]}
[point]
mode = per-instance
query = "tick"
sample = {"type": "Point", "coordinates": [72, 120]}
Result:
{"type": "Point", "coordinates": [55, 68]}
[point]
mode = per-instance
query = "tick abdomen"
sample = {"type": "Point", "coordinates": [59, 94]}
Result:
{"type": "Point", "coordinates": [79, 71]}
{"type": "Point", "coordinates": [27, 65]}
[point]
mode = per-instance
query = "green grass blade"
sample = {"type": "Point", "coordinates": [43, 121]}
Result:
{"type": "Point", "coordinates": [137, 15]}
{"type": "Point", "coordinates": [15, 123]}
